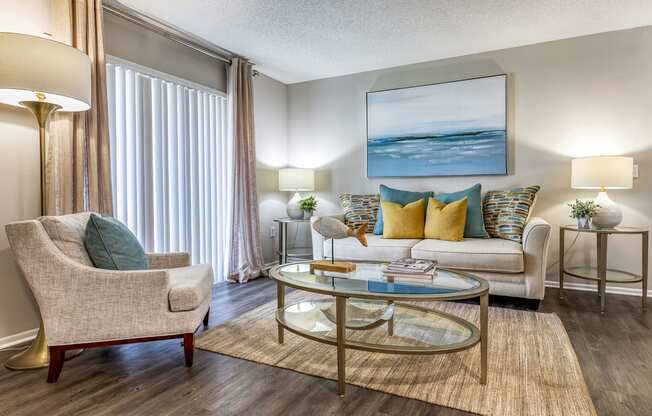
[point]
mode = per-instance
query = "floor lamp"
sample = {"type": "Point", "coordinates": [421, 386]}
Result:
{"type": "Point", "coordinates": [43, 76]}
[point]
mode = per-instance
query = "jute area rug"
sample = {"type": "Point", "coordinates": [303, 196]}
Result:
{"type": "Point", "coordinates": [533, 369]}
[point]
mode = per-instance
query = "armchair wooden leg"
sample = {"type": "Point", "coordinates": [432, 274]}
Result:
{"type": "Point", "coordinates": [206, 317]}
{"type": "Point", "coordinates": [57, 355]}
{"type": "Point", "coordinates": [188, 348]}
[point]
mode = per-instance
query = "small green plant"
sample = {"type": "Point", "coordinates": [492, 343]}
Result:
{"type": "Point", "coordinates": [308, 204]}
{"type": "Point", "coordinates": [583, 209]}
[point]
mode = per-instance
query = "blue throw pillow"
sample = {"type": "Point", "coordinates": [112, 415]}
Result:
{"type": "Point", "coordinates": [111, 245]}
{"type": "Point", "coordinates": [474, 227]}
{"type": "Point", "coordinates": [399, 197]}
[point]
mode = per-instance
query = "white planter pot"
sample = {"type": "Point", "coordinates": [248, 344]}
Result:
{"type": "Point", "coordinates": [584, 223]}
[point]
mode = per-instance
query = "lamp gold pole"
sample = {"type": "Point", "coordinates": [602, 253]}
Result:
{"type": "Point", "coordinates": [38, 354]}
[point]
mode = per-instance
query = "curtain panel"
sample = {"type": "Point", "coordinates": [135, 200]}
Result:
{"type": "Point", "coordinates": [246, 261]}
{"type": "Point", "coordinates": [77, 166]}
{"type": "Point", "coordinates": [171, 163]}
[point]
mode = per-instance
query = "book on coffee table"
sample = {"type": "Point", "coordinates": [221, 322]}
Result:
{"type": "Point", "coordinates": [411, 268]}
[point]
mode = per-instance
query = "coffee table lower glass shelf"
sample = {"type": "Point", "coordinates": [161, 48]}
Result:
{"type": "Point", "coordinates": [378, 326]}
{"type": "Point", "coordinates": [367, 310]}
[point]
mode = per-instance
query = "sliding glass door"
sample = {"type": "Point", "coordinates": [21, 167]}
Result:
{"type": "Point", "coordinates": [171, 162]}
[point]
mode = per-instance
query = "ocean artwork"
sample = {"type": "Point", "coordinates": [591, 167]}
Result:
{"type": "Point", "coordinates": [450, 129]}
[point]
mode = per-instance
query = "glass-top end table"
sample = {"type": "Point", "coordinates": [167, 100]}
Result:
{"type": "Point", "coordinates": [365, 310]}
{"type": "Point", "coordinates": [601, 274]}
{"type": "Point", "coordinates": [284, 252]}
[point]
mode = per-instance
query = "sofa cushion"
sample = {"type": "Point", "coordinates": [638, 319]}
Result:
{"type": "Point", "coordinates": [403, 221]}
{"type": "Point", "coordinates": [474, 226]}
{"type": "Point", "coordinates": [360, 209]}
{"type": "Point", "coordinates": [67, 233]}
{"type": "Point", "coordinates": [111, 245]}
{"type": "Point", "coordinates": [490, 254]}
{"type": "Point", "coordinates": [399, 197]}
{"type": "Point", "coordinates": [378, 249]}
{"type": "Point", "coordinates": [189, 286]}
{"type": "Point", "coordinates": [507, 212]}
{"type": "Point", "coordinates": [445, 221]}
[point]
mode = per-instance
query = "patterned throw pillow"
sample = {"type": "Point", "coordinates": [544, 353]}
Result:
{"type": "Point", "coordinates": [506, 212]}
{"type": "Point", "coordinates": [360, 209]}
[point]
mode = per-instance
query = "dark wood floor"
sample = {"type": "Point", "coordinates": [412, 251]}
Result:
{"type": "Point", "coordinates": [150, 379]}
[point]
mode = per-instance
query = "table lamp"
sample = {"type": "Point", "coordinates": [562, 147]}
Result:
{"type": "Point", "coordinates": [43, 76]}
{"type": "Point", "coordinates": [603, 172]}
{"type": "Point", "coordinates": [295, 180]}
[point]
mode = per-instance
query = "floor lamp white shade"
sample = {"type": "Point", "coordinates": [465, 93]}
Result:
{"type": "Point", "coordinates": [40, 69]}
{"type": "Point", "coordinates": [603, 172]}
{"type": "Point", "coordinates": [295, 180]}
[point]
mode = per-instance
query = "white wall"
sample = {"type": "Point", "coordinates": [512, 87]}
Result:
{"type": "Point", "coordinates": [270, 112]}
{"type": "Point", "coordinates": [19, 170]}
{"type": "Point", "coordinates": [584, 96]}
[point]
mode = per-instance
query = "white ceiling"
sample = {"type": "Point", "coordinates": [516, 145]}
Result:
{"type": "Point", "coordinates": [301, 40]}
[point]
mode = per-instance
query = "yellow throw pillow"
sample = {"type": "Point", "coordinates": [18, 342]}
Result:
{"type": "Point", "coordinates": [445, 221]}
{"type": "Point", "coordinates": [403, 221]}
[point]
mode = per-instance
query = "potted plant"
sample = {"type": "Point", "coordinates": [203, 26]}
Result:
{"type": "Point", "coordinates": [583, 211]}
{"type": "Point", "coordinates": [308, 205]}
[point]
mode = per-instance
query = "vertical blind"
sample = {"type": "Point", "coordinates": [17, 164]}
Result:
{"type": "Point", "coordinates": [171, 163]}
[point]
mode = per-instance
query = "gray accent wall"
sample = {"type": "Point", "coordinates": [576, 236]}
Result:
{"type": "Point", "coordinates": [576, 97]}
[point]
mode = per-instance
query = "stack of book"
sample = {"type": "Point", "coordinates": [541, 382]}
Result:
{"type": "Point", "coordinates": [411, 268]}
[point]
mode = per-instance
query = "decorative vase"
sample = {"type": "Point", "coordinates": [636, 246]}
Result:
{"type": "Point", "coordinates": [307, 214]}
{"type": "Point", "coordinates": [584, 223]}
{"type": "Point", "coordinates": [609, 214]}
{"type": "Point", "coordinates": [293, 209]}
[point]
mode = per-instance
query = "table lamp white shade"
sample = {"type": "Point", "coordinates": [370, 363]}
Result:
{"type": "Point", "coordinates": [38, 69]}
{"type": "Point", "coordinates": [602, 172]}
{"type": "Point", "coordinates": [296, 180]}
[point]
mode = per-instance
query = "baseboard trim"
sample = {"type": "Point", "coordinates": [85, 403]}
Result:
{"type": "Point", "coordinates": [587, 287]}
{"type": "Point", "coordinates": [17, 339]}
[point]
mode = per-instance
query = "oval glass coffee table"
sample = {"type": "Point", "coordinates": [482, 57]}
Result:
{"type": "Point", "coordinates": [365, 310]}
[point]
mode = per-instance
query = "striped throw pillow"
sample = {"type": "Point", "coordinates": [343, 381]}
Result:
{"type": "Point", "coordinates": [360, 209]}
{"type": "Point", "coordinates": [506, 212]}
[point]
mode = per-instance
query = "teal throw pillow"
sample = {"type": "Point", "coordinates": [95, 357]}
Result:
{"type": "Point", "coordinates": [399, 197]}
{"type": "Point", "coordinates": [474, 227]}
{"type": "Point", "coordinates": [111, 245]}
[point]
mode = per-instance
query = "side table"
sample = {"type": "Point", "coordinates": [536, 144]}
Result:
{"type": "Point", "coordinates": [601, 274]}
{"type": "Point", "coordinates": [284, 252]}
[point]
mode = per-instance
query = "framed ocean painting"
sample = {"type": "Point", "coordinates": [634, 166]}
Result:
{"type": "Point", "coordinates": [449, 129]}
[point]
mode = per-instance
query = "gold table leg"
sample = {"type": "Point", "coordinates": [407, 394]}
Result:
{"type": "Point", "coordinates": [484, 336]}
{"type": "Point", "coordinates": [340, 306]}
{"type": "Point", "coordinates": [602, 269]}
{"type": "Point", "coordinates": [561, 263]}
{"type": "Point", "coordinates": [390, 323]}
{"type": "Point", "coordinates": [280, 303]}
{"type": "Point", "coordinates": [644, 271]}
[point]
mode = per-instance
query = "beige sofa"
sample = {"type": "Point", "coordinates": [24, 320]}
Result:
{"type": "Point", "coordinates": [512, 269]}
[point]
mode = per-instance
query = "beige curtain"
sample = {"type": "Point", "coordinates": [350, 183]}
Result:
{"type": "Point", "coordinates": [78, 172]}
{"type": "Point", "coordinates": [246, 260]}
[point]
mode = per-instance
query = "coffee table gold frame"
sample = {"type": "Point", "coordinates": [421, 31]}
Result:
{"type": "Point", "coordinates": [477, 335]}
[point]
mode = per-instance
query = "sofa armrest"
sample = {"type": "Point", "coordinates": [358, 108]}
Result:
{"type": "Point", "coordinates": [536, 242]}
{"type": "Point", "coordinates": [318, 239]}
{"type": "Point", "coordinates": [158, 261]}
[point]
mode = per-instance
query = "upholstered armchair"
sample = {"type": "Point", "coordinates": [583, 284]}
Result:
{"type": "Point", "coordinates": [84, 307]}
